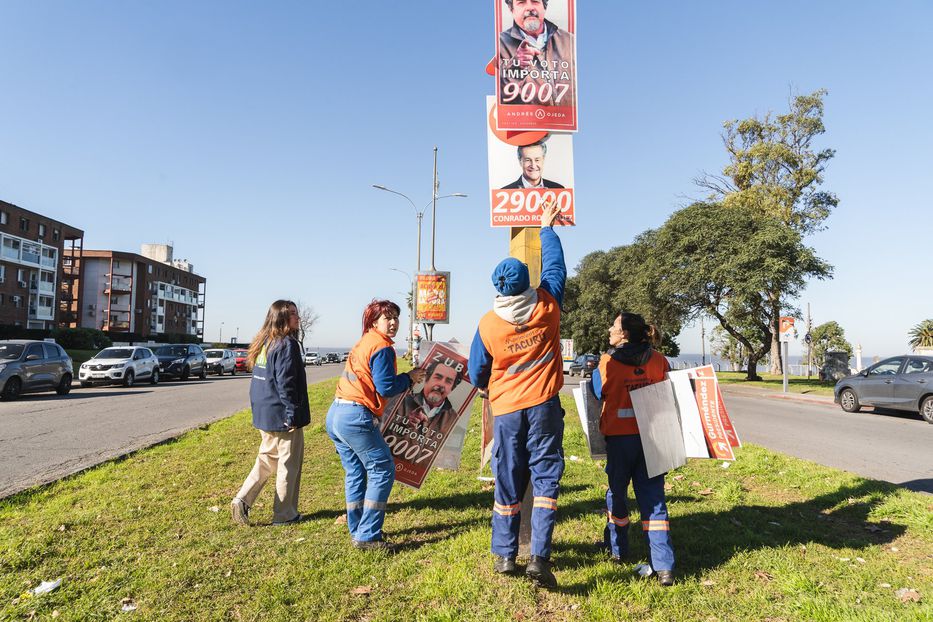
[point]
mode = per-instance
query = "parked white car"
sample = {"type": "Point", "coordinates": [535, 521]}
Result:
{"type": "Point", "coordinates": [220, 362]}
{"type": "Point", "coordinates": [120, 365]}
{"type": "Point", "coordinates": [312, 358]}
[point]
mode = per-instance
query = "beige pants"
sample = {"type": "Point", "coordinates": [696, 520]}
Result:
{"type": "Point", "coordinates": [280, 453]}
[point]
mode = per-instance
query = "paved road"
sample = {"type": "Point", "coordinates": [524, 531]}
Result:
{"type": "Point", "coordinates": [45, 437]}
{"type": "Point", "coordinates": [893, 447]}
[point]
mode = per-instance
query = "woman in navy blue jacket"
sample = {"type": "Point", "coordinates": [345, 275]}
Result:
{"type": "Point", "coordinates": [278, 394]}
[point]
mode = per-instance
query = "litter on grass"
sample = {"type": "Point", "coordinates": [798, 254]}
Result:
{"type": "Point", "coordinates": [47, 586]}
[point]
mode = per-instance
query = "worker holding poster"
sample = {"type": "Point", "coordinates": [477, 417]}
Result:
{"type": "Point", "coordinates": [633, 364]}
{"type": "Point", "coordinates": [536, 66]}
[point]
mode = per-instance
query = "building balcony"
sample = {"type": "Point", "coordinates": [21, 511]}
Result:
{"type": "Point", "coordinates": [40, 313]}
{"type": "Point", "coordinates": [119, 326]}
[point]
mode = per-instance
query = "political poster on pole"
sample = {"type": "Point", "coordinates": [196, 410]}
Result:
{"type": "Point", "coordinates": [423, 426]}
{"type": "Point", "coordinates": [432, 297]}
{"type": "Point", "coordinates": [536, 69]}
{"type": "Point", "coordinates": [523, 177]}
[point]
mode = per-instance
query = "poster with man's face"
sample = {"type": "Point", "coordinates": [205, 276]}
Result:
{"type": "Point", "coordinates": [536, 69]}
{"type": "Point", "coordinates": [523, 178]}
{"type": "Point", "coordinates": [424, 422]}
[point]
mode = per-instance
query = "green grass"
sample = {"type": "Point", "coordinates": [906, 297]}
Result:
{"type": "Point", "coordinates": [776, 538]}
{"type": "Point", "coordinates": [795, 384]}
{"type": "Point", "coordinates": [80, 356]}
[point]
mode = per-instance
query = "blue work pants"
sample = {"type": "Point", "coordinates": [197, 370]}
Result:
{"type": "Point", "coordinates": [528, 443]}
{"type": "Point", "coordinates": [625, 462]}
{"type": "Point", "coordinates": [368, 464]}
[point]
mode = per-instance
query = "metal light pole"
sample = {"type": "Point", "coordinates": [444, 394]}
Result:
{"type": "Point", "coordinates": [411, 312]}
{"type": "Point", "coordinates": [221, 337]}
{"type": "Point", "coordinates": [419, 214]}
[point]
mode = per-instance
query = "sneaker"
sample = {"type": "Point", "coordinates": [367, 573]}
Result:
{"type": "Point", "coordinates": [666, 577]}
{"type": "Point", "coordinates": [297, 519]}
{"type": "Point", "coordinates": [539, 571]}
{"type": "Point", "coordinates": [240, 511]}
{"type": "Point", "coordinates": [504, 565]}
{"type": "Point", "coordinates": [375, 545]}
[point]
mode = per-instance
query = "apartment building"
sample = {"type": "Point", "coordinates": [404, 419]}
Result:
{"type": "Point", "coordinates": [144, 294]}
{"type": "Point", "coordinates": [36, 290]}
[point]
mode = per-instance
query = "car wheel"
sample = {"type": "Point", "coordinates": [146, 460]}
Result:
{"type": "Point", "coordinates": [220, 370]}
{"type": "Point", "coordinates": [926, 409]}
{"type": "Point", "coordinates": [64, 385]}
{"type": "Point", "coordinates": [233, 371]}
{"type": "Point", "coordinates": [185, 373]}
{"type": "Point", "coordinates": [849, 401]}
{"type": "Point", "coordinates": [203, 374]}
{"type": "Point", "coordinates": [154, 378]}
{"type": "Point", "coordinates": [12, 390]}
{"type": "Point", "coordinates": [129, 378]}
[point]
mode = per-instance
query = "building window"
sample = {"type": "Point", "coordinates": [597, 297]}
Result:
{"type": "Point", "coordinates": [17, 301]}
{"type": "Point", "coordinates": [56, 234]}
{"type": "Point", "coordinates": [24, 224]}
{"type": "Point", "coordinates": [41, 230]}
{"type": "Point", "coordinates": [150, 269]}
{"type": "Point", "coordinates": [4, 218]}
{"type": "Point", "coordinates": [2, 273]}
{"type": "Point", "coordinates": [116, 264]}
{"type": "Point", "coordinates": [21, 276]}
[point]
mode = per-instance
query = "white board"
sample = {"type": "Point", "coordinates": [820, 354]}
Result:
{"type": "Point", "coordinates": [690, 425]}
{"type": "Point", "coordinates": [589, 409]}
{"type": "Point", "coordinates": [659, 427]}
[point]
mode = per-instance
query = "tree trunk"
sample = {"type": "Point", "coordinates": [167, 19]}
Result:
{"type": "Point", "coordinates": [776, 359]}
{"type": "Point", "coordinates": [751, 373]}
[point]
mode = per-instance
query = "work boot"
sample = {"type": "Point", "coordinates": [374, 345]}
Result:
{"type": "Point", "coordinates": [539, 571]}
{"type": "Point", "coordinates": [504, 565]}
{"type": "Point", "coordinates": [665, 577]}
{"type": "Point", "coordinates": [375, 545]}
{"type": "Point", "coordinates": [240, 511]}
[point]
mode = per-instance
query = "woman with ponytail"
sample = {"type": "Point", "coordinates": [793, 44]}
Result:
{"type": "Point", "coordinates": [630, 364]}
{"type": "Point", "coordinates": [278, 394]}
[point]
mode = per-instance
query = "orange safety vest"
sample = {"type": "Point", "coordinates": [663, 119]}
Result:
{"type": "Point", "coordinates": [527, 368]}
{"type": "Point", "coordinates": [618, 416]}
{"type": "Point", "coordinates": [356, 383]}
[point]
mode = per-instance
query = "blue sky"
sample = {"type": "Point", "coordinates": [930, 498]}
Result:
{"type": "Point", "coordinates": [249, 134]}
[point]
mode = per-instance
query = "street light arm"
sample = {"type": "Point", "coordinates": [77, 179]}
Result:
{"type": "Point", "coordinates": [446, 196]}
{"type": "Point", "coordinates": [417, 213]}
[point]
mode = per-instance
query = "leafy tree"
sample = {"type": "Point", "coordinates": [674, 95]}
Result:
{"type": "Point", "coordinates": [608, 282]}
{"type": "Point", "coordinates": [829, 337]}
{"type": "Point", "coordinates": [775, 170]}
{"type": "Point", "coordinates": [921, 335]}
{"type": "Point", "coordinates": [727, 262]}
{"type": "Point", "coordinates": [728, 348]}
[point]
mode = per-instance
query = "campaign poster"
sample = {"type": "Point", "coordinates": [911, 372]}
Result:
{"type": "Point", "coordinates": [523, 177]}
{"type": "Point", "coordinates": [589, 410]}
{"type": "Point", "coordinates": [716, 438]}
{"type": "Point", "coordinates": [424, 421]}
{"type": "Point", "coordinates": [690, 424]}
{"type": "Point", "coordinates": [662, 440]}
{"type": "Point", "coordinates": [486, 436]}
{"type": "Point", "coordinates": [708, 372]}
{"type": "Point", "coordinates": [536, 68]}
{"type": "Point", "coordinates": [432, 297]}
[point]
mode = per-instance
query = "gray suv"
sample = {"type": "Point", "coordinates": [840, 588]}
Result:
{"type": "Point", "coordinates": [32, 366]}
{"type": "Point", "coordinates": [899, 383]}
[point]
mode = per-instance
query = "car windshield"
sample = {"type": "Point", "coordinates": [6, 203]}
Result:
{"type": "Point", "coordinates": [214, 354]}
{"type": "Point", "coordinates": [240, 353]}
{"type": "Point", "coordinates": [114, 353]}
{"type": "Point", "coordinates": [172, 351]}
{"type": "Point", "coordinates": [9, 351]}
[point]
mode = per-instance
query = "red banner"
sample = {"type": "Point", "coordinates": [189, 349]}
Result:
{"type": "Point", "coordinates": [432, 304]}
{"type": "Point", "coordinates": [708, 404]}
{"type": "Point", "coordinates": [521, 207]}
{"type": "Point", "coordinates": [709, 372]}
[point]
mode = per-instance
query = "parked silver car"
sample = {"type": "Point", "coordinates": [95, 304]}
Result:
{"type": "Point", "coordinates": [31, 366]}
{"type": "Point", "coordinates": [220, 362]}
{"type": "Point", "coordinates": [120, 365]}
{"type": "Point", "coordinates": [899, 383]}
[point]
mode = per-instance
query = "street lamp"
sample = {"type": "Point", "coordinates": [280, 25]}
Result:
{"type": "Point", "coordinates": [419, 214]}
{"type": "Point", "coordinates": [411, 312]}
{"type": "Point", "coordinates": [221, 338]}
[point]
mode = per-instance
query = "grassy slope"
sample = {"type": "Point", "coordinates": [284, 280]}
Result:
{"type": "Point", "coordinates": [795, 384]}
{"type": "Point", "coordinates": [776, 538]}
